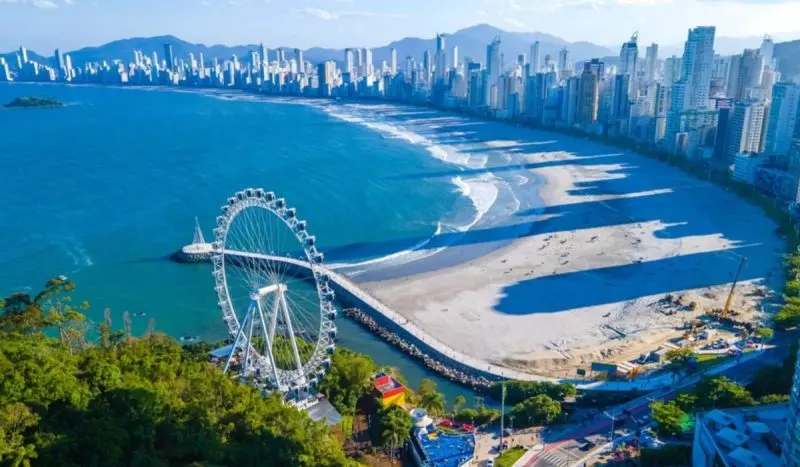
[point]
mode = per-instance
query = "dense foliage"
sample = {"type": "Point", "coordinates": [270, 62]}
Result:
{"type": "Point", "coordinates": [518, 391]}
{"type": "Point", "coordinates": [130, 401]}
{"type": "Point", "coordinates": [429, 398]}
{"type": "Point", "coordinates": [771, 381]}
{"type": "Point", "coordinates": [666, 456]}
{"type": "Point", "coordinates": [395, 426]}
{"type": "Point", "coordinates": [537, 410]}
{"type": "Point", "coordinates": [348, 380]}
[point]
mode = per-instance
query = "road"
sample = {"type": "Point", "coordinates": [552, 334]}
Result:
{"type": "Point", "coordinates": [562, 449]}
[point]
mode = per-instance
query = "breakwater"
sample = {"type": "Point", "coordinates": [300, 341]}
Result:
{"type": "Point", "coordinates": [478, 383]}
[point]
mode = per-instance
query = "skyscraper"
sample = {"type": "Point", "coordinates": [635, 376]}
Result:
{"type": "Point", "coordinates": [493, 71]}
{"type": "Point", "coordinates": [564, 65]}
{"type": "Point", "coordinates": [791, 445]}
{"type": "Point", "coordinates": [534, 58]}
{"type": "Point", "coordinates": [440, 69]}
{"type": "Point", "coordinates": [455, 57]}
{"type": "Point", "coordinates": [393, 61]}
{"type": "Point", "coordinates": [651, 61]}
{"type": "Point", "coordinates": [168, 56]}
{"type": "Point", "coordinates": [744, 131]}
{"type": "Point", "coordinates": [427, 66]}
{"type": "Point", "coordinates": [368, 65]}
{"type": "Point", "coordinates": [348, 61]}
{"type": "Point", "coordinates": [696, 66]}
{"type": "Point", "coordinates": [589, 98]}
{"type": "Point", "coordinates": [766, 50]}
{"type": "Point", "coordinates": [300, 62]}
{"type": "Point", "coordinates": [782, 117]}
{"type": "Point", "coordinates": [326, 72]}
{"type": "Point", "coordinates": [262, 53]}
{"type": "Point", "coordinates": [23, 53]}
{"type": "Point", "coordinates": [628, 54]}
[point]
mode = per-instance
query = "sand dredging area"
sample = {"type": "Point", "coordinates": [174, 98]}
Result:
{"type": "Point", "coordinates": [613, 234]}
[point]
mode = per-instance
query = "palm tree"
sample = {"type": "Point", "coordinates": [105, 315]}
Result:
{"type": "Point", "coordinates": [460, 401]}
{"type": "Point", "coordinates": [395, 428]}
{"type": "Point", "coordinates": [433, 402]}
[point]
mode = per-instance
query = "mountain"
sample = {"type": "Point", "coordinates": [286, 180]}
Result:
{"type": "Point", "coordinates": [471, 42]}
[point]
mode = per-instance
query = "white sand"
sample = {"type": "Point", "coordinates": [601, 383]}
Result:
{"type": "Point", "coordinates": [617, 232]}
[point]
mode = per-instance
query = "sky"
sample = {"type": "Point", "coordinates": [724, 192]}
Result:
{"type": "Point", "coordinates": [42, 25]}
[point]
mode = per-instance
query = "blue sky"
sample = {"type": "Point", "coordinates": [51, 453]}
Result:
{"type": "Point", "coordinates": [44, 24]}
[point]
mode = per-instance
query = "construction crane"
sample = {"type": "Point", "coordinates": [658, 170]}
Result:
{"type": "Point", "coordinates": [728, 302]}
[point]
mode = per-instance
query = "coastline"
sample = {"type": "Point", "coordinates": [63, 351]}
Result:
{"type": "Point", "coordinates": [616, 191]}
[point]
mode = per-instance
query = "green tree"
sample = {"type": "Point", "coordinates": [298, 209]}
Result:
{"type": "Point", "coordinates": [789, 315]}
{"type": "Point", "coordinates": [720, 392]}
{"type": "Point", "coordinates": [518, 391]}
{"type": "Point", "coordinates": [540, 409]}
{"type": "Point", "coordinates": [429, 398]}
{"type": "Point", "coordinates": [395, 427]}
{"type": "Point", "coordinates": [458, 403]}
{"type": "Point", "coordinates": [349, 379]}
{"type": "Point", "coordinates": [670, 419]}
{"type": "Point", "coordinates": [679, 359]}
{"type": "Point", "coordinates": [764, 333]}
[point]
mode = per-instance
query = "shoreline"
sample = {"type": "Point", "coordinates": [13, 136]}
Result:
{"type": "Point", "coordinates": [618, 198]}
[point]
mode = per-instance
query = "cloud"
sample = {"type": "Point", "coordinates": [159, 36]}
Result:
{"type": "Point", "coordinates": [319, 14]}
{"type": "Point", "coordinates": [69, 2]}
{"type": "Point", "coordinates": [45, 4]}
{"type": "Point", "coordinates": [516, 23]}
{"type": "Point", "coordinates": [325, 15]}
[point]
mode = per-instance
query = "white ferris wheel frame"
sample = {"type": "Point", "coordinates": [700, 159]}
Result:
{"type": "Point", "coordinates": [304, 376]}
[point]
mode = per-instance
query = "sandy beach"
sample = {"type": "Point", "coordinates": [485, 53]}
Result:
{"type": "Point", "coordinates": [585, 270]}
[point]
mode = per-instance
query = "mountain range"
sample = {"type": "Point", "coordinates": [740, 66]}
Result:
{"type": "Point", "coordinates": [471, 42]}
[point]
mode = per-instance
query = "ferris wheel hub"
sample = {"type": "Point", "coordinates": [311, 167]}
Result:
{"type": "Point", "coordinates": [264, 291]}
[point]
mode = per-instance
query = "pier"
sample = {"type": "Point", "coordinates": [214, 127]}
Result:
{"type": "Point", "coordinates": [353, 295]}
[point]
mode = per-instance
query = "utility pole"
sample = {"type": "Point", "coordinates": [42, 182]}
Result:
{"type": "Point", "coordinates": [613, 419]}
{"type": "Point", "coordinates": [502, 415]}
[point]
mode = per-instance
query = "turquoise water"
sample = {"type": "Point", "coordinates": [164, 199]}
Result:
{"type": "Point", "coordinates": [105, 189]}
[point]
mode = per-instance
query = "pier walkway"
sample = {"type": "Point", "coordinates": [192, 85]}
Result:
{"type": "Point", "coordinates": [380, 310]}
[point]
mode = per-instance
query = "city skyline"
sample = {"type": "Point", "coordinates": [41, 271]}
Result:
{"type": "Point", "coordinates": [70, 24]}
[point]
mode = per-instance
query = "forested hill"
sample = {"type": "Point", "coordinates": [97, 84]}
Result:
{"type": "Point", "coordinates": [133, 401]}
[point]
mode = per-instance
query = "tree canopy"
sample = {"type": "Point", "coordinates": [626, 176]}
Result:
{"type": "Point", "coordinates": [541, 409]}
{"type": "Point", "coordinates": [140, 401]}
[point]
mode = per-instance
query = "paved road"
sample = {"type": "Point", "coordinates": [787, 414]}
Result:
{"type": "Point", "coordinates": [560, 450]}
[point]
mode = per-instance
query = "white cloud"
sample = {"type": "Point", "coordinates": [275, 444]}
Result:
{"type": "Point", "coordinates": [319, 14]}
{"type": "Point", "coordinates": [69, 2]}
{"type": "Point", "coordinates": [45, 4]}
{"type": "Point", "coordinates": [516, 23]}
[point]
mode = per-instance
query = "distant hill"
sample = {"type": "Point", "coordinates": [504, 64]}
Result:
{"type": "Point", "coordinates": [471, 42]}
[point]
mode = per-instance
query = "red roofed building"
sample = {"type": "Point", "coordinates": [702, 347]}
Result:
{"type": "Point", "coordinates": [389, 390]}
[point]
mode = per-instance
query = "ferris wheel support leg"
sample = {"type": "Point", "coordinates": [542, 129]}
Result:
{"type": "Point", "coordinates": [236, 342]}
{"type": "Point", "coordinates": [274, 315]}
{"type": "Point", "coordinates": [291, 331]}
{"type": "Point", "coordinates": [250, 322]}
{"type": "Point", "coordinates": [268, 349]}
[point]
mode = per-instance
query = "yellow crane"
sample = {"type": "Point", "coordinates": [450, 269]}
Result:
{"type": "Point", "coordinates": [729, 301]}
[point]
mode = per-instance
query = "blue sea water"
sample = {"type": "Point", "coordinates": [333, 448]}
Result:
{"type": "Point", "coordinates": [106, 188]}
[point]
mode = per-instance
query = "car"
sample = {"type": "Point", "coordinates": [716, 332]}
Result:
{"type": "Point", "coordinates": [644, 419]}
{"type": "Point", "coordinates": [490, 463]}
{"type": "Point", "coordinates": [507, 432]}
{"type": "Point", "coordinates": [588, 446]}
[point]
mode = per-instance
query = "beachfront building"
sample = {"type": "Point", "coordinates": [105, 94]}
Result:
{"type": "Point", "coordinates": [744, 128]}
{"type": "Point", "coordinates": [433, 447]}
{"type": "Point", "coordinates": [748, 437]}
{"type": "Point", "coordinates": [745, 166]}
{"type": "Point", "coordinates": [388, 390]}
{"type": "Point", "coordinates": [782, 117]}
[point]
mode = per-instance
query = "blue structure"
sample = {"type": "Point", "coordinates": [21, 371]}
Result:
{"type": "Point", "coordinates": [432, 447]}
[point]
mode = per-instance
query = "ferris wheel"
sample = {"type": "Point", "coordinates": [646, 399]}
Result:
{"type": "Point", "coordinates": [274, 293]}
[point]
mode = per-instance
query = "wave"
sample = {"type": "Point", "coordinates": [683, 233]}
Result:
{"type": "Point", "coordinates": [482, 191]}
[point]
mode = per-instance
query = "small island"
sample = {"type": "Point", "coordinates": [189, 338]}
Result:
{"type": "Point", "coordinates": [31, 102]}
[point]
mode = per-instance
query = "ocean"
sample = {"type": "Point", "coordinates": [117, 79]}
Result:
{"type": "Point", "coordinates": [106, 188]}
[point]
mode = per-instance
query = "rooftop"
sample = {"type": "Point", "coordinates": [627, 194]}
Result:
{"type": "Point", "coordinates": [444, 449]}
{"type": "Point", "coordinates": [747, 437]}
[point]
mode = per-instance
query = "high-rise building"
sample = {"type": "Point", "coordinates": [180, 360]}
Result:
{"type": "Point", "coordinates": [23, 53]}
{"type": "Point", "coordinates": [564, 70]}
{"type": "Point", "coordinates": [348, 61]}
{"type": "Point", "coordinates": [589, 100]}
{"type": "Point", "coordinates": [369, 67]}
{"type": "Point", "coordinates": [782, 117]}
{"type": "Point", "coordinates": [766, 50]}
{"type": "Point", "coordinates": [493, 71]}
{"type": "Point", "coordinates": [262, 53]}
{"type": "Point", "coordinates": [621, 101]}
{"type": "Point", "coordinates": [168, 56]}
{"type": "Point", "coordinates": [672, 70]}
{"type": "Point", "coordinates": [58, 59]}
{"type": "Point", "coordinates": [326, 72]}
{"type": "Point", "coordinates": [300, 62]}
{"type": "Point", "coordinates": [427, 65]}
{"type": "Point", "coordinates": [5, 70]}
{"type": "Point", "coordinates": [628, 54]}
{"type": "Point", "coordinates": [393, 61]}
{"type": "Point", "coordinates": [791, 445]}
{"type": "Point", "coordinates": [455, 57]}
{"type": "Point", "coordinates": [744, 129]}
{"type": "Point", "coordinates": [440, 67]}
{"type": "Point", "coordinates": [651, 63]}
{"type": "Point", "coordinates": [534, 59]}
{"type": "Point", "coordinates": [570, 100]}
{"type": "Point", "coordinates": [696, 66]}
